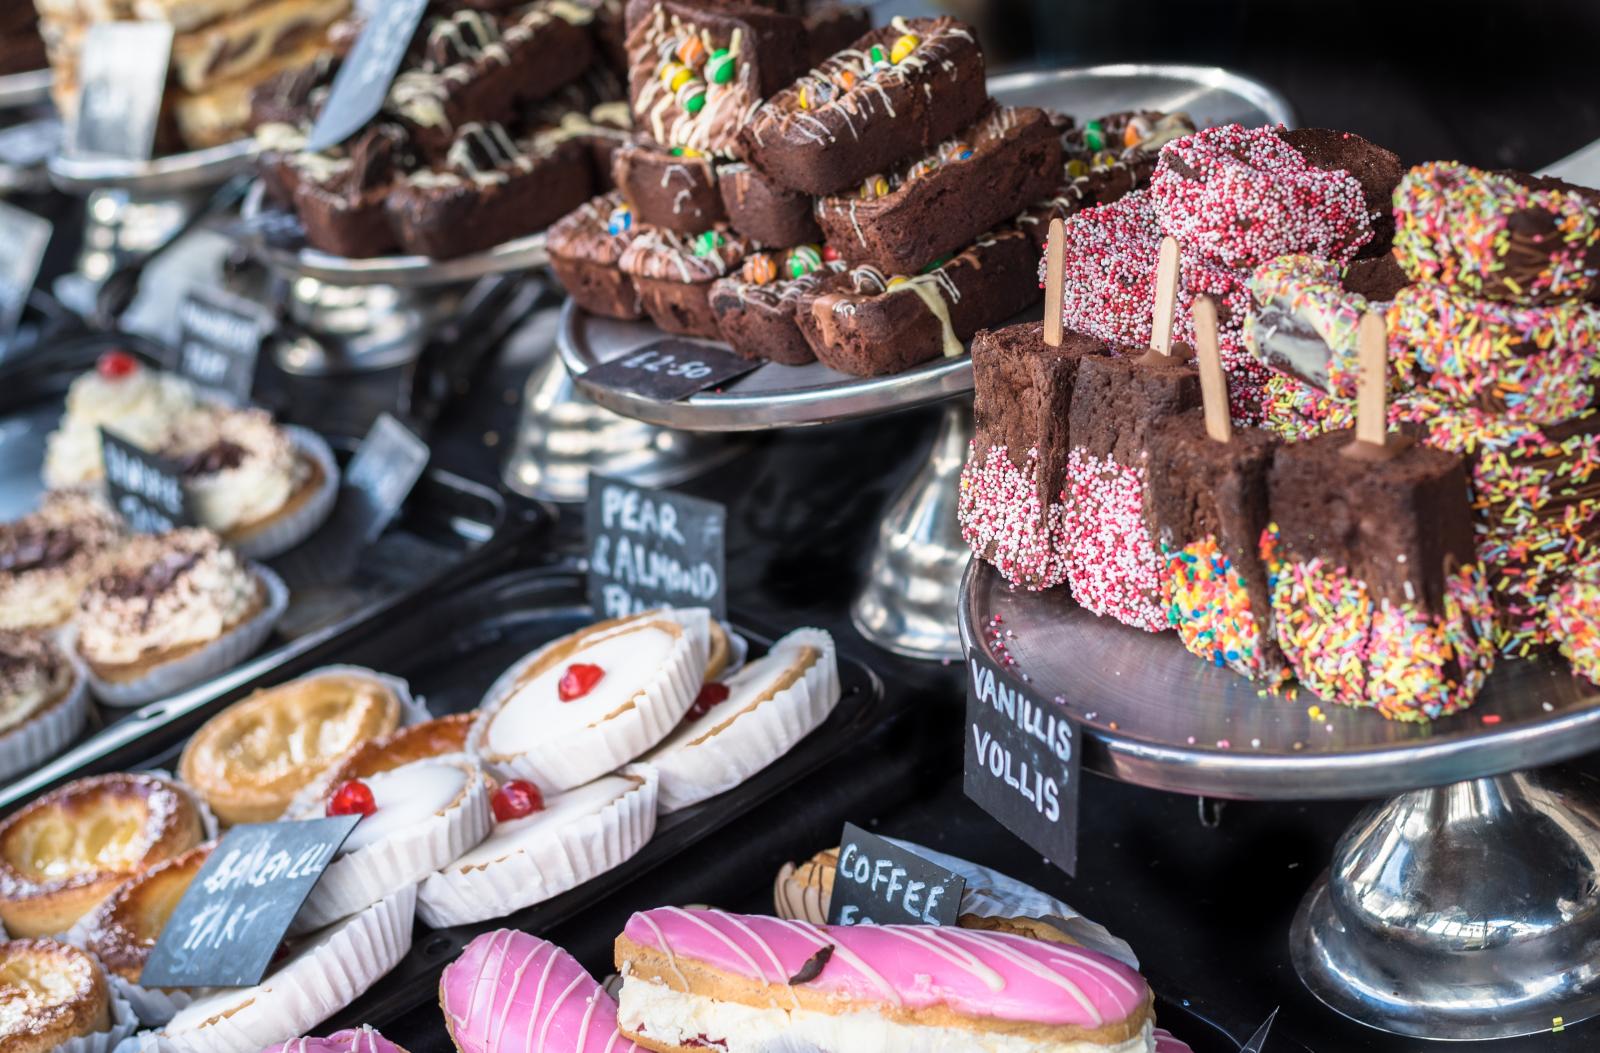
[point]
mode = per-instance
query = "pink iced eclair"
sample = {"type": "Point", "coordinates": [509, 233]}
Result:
{"type": "Point", "coordinates": [1165, 1043]}
{"type": "Point", "coordinates": [698, 979]}
{"type": "Point", "coordinates": [510, 992]}
{"type": "Point", "coordinates": [363, 1040]}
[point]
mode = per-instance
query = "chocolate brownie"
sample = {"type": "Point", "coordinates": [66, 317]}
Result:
{"type": "Point", "coordinates": [697, 71]}
{"type": "Point", "coordinates": [1208, 500]}
{"type": "Point", "coordinates": [1379, 279]}
{"type": "Point", "coordinates": [861, 112]}
{"type": "Point", "coordinates": [866, 324]}
{"type": "Point", "coordinates": [1399, 524]}
{"type": "Point", "coordinates": [674, 274]}
{"type": "Point", "coordinates": [763, 211]}
{"type": "Point", "coordinates": [936, 203]}
{"type": "Point", "coordinates": [586, 246]}
{"type": "Point", "coordinates": [1376, 169]}
{"type": "Point", "coordinates": [340, 196]}
{"type": "Point", "coordinates": [293, 97]}
{"type": "Point", "coordinates": [673, 189]}
{"type": "Point", "coordinates": [490, 189]}
{"type": "Point", "coordinates": [833, 27]}
{"type": "Point", "coordinates": [1120, 397]}
{"type": "Point", "coordinates": [1079, 191]}
{"type": "Point", "coordinates": [755, 309]}
{"type": "Point", "coordinates": [477, 68]}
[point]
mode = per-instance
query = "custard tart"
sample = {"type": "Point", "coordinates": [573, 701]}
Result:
{"type": "Point", "coordinates": [250, 760]}
{"type": "Point", "coordinates": [126, 927]}
{"type": "Point", "coordinates": [66, 852]}
{"type": "Point", "coordinates": [50, 994]}
{"type": "Point", "coordinates": [590, 702]}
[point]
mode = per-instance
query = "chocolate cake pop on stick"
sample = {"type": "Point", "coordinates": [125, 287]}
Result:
{"type": "Point", "coordinates": [1377, 595]}
{"type": "Point", "coordinates": [1113, 566]}
{"type": "Point", "coordinates": [1207, 507]}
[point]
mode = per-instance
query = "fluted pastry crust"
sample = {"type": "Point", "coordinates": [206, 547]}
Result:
{"type": "Point", "coordinates": [66, 852]}
{"type": "Point", "coordinates": [126, 926]}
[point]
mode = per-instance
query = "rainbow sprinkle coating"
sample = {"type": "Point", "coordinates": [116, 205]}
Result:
{"type": "Point", "coordinates": [1454, 228]}
{"type": "Point", "coordinates": [1001, 519]}
{"type": "Point", "coordinates": [1575, 620]}
{"type": "Point", "coordinates": [1208, 603]}
{"type": "Point", "coordinates": [1526, 363]}
{"type": "Point", "coordinates": [1113, 566]}
{"type": "Point", "coordinates": [1295, 411]}
{"type": "Point", "coordinates": [1346, 647]}
{"type": "Point", "coordinates": [1241, 196]}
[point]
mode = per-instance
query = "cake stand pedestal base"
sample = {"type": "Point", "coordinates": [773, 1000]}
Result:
{"type": "Point", "coordinates": [340, 329]}
{"type": "Point", "coordinates": [562, 437]}
{"type": "Point", "coordinates": [1469, 911]}
{"type": "Point", "coordinates": [914, 580]}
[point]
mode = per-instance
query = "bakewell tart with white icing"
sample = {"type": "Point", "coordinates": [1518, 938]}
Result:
{"type": "Point", "coordinates": [47, 558]}
{"type": "Point", "coordinates": [430, 738]}
{"type": "Point", "coordinates": [122, 931]}
{"type": "Point", "coordinates": [508, 985]}
{"type": "Point", "coordinates": [67, 851]}
{"type": "Point", "coordinates": [249, 761]}
{"type": "Point", "coordinates": [140, 404]}
{"type": "Point", "coordinates": [738, 726]}
{"type": "Point", "coordinates": [321, 974]}
{"type": "Point", "coordinates": [414, 819]}
{"type": "Point", "coordinates": [164, 597]}
{"type": "Point", "coordinates": [541, 846]}
{"type": "Point", "coordinates": [42, 703]}
{"type": "Point", "coordinates": [241, 471]}
{"type": "Point", "coordinates": [590, 702]}
{"type": "Point", "coordinates": [698, 979]}
{"type": "Point", "coordinates": [50, 994]}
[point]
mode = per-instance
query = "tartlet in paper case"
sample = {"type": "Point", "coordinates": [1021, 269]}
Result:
{"type": "Point", "coordinates": [57, 1001]}
{"type": "Point", "coordinates": [991, 900]}
{"type": "Point", "coordinates": [44, 701]}
{"type": "Point", "coordinates": [173, 610]}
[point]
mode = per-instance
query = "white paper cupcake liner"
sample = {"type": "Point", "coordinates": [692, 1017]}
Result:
{"type": "Point", "coordinates": [756, 738]}
{"type": "Point", "coordinates": [538, 870]}
{"type": "Point", "coordinates": [152, 1005]}
{"type": "Point", "coordinates": [991, 894]}
{"type": "Point", "coordinates": [366, 876]}
{"type": "Point", "coordinates": [41, 737]}
{"type": "Point", "coordinates": [289, 530]}
{"type": "Point", "coordinates": [340, 963]}
{"type": "Point", "coordinates": [216, 657]}
{"type": "Point", "coordinates": [123, 1023]}
{"type": "Point", "coordinates": [568, 761]}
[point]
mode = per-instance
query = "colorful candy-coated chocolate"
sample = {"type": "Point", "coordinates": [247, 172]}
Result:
{"type": "Point", "coordinates": [903, 45]}
{"type": "Point", "coordinates": [846, 79]}
{"type": "Point", "coordinates": [720, 66]}
{"type": "Point", "coordinates": [831, 254]}
{"type": "Point", "coordinates": [673, 74]}
{"type": "Point", "coordinates": [1094, 136]}
{"type": "Point", "coordinates": [1136, 132]}
{"type": "Point", "coordinates": [874, 187]}
{"type": "Point", "coordinates": [759, 269]}
{"type": "Point", "coordinates": [692, 52]}
{"type": "Point", "coordinates": [692, 96]}
{"type": "Point", "coordinates": [1077, 168]}
{"type": "Point", "coordinates": [877, 56]}
{"type": "Point", "coordinates": [987, 975]}
{"type": "Point", "coordinates": [620, 221]}
{"type": "Point", "coordinates": [803, 260]}
{"type": "Point", "coordinates": [513, 991]}
{"type": "Point", "coordinates": [685, 151]}
{"type": "Point", "coordinates": [708, 242]}
{"type": "Point", "coordinates": [936, 264]}
{"type": "Point", "coordinates": [956, 151]}
{"type": "Point", "coordinates": [1103, 159]}
{"type": "Point", "coordinates": [895, 282]}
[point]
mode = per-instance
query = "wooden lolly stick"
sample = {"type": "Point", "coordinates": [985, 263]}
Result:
{"type": "Point", "coordinates": [1213, 381]}
{"type": "Point", "coordinates": [1166, 296]}
{"type": "Point", "coordinates": [1055, 252]}
{"type": "Point", "coordinates": [1372, 387]}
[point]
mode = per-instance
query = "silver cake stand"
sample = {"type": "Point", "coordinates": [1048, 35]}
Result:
{"type": "Point", "coordinates": [25, 89]}
{"type": "Point", "coordinates": [1467, 906]}
{"type": "Point", "coordinates": [916, 564]}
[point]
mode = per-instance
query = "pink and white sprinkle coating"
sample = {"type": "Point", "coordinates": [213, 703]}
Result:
{"type": "Point", "coordinates": [1114, 568]}
{"type": "Point", "coordinates": [1241, 196]}
{"type": "Point", "coordinates": [355, 1040]}
{"type": "Point", "coordinates": [1108, 273]}
{"type": "Point", "coordinates": [510, 992]}
{"type": "Point", "coordinates": [985, 975]}
{"type": "Point", "coordinates": [1001, 519]}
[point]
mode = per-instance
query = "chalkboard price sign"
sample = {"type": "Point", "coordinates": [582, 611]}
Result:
{"type": "Point", "coordinates": [649, 548]}
{"type": "Point", "coordinates": [877, 882]}
{"type": "Point", "coordinates": [669, 370]}
{"type": "Point", "coordinates": [25, 237]}
{"type": "Point", "coordinates": [364, 78]}
{"type": "Point", "coordinates": [123, 72]}
{"type": "Point", "coordinates": [385, 467]}
{"type": "Point", "coordinates": [1022, 762]}
{"type": "Point", "coordinates": [145, 488]}
{"type": "Point", "coordinates": [219, 340]}
{"type": "Point", "coordinates": [227, 927]}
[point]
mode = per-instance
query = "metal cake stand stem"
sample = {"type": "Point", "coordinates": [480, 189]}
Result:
{"type": "Point", "coordinates": [913, 580]}
{"type": "Point", "coordinates": [1469, 911]}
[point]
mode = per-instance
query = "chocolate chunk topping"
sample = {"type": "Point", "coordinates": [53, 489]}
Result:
{"type": "Point", "coordinates": [218, 457]}
{"type": "Point", "coordinates": [813, 966]}
{"type": "Point", "coordinates": [153, 580]}
{"type": "Point", "coordinates": [35, 549]}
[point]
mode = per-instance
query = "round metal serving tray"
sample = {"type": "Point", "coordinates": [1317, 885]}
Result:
{"type": "Point", "coordinates": [788, 396]}
{"type": "Point", "coordinates": [193, 170]}
{"type": "Point", "coordinates": [1158, 716]}
{"type": "Point", "coordinates": [25, 89]}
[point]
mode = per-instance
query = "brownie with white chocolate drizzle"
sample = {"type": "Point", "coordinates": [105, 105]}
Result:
{"type": "Point", "coordinates": [674, 273]}
{"type": "Point", "coordinates": [755, 308]}
{"type": "Point", "coordinates": [675, 189]}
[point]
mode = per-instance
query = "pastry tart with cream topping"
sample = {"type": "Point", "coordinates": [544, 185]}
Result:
{"type": "Point", "coordinates": [67, 851]}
